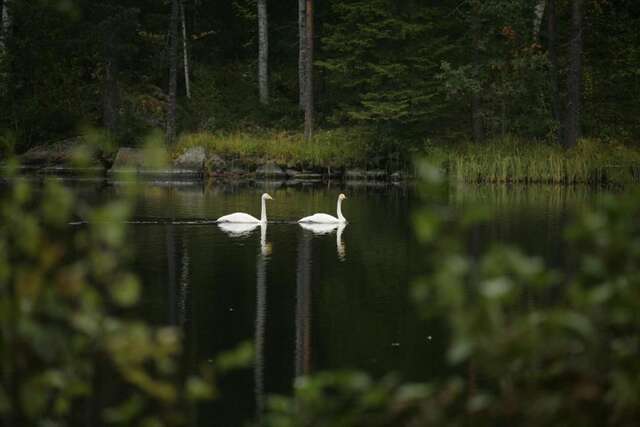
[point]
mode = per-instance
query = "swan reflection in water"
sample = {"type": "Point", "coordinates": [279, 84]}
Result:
{"type": "Point", "coordinates": [328, 228]}
{"type": "Point", "coordinates": [245, 230]}
{"type": "Point", "coordinates": [236, 230]}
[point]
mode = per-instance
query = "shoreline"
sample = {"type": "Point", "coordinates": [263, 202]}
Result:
{"type": "Point", "coordinates": [336, 157]}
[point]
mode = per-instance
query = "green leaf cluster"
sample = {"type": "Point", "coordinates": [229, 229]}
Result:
{"type": "Point", "coordinates": [72, 349]}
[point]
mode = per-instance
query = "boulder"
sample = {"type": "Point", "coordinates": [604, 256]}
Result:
{"type": "Point", "coordinates": [134, 161]}
{"type": "Point", "coordinates": [270, 170]}
{"type": "Point", "coordinates": [55, 154]}
{"type": "Point", "coordinates": [127, 160]}
{"type": "Point", "coordinates": [355, 174]}
{"type": "Point", "coordinates": [192, 159]}
{"type": "Point", "coordinates": [215, 165]}
{"type": "Point", "coordinates": [399, 176]}
{"type": "Point", "coordinates": [376, 174]}
{"type": "Point", "coordinates": [292, 173]}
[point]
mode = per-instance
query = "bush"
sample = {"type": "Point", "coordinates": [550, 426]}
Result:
{"type": "Point", "coordinates": [73, 350]}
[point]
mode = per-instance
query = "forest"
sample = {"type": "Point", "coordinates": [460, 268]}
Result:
{"type": "Point", "coordinates": [457, 293]}
{"type": "Point", "coordinates": [398, 76]}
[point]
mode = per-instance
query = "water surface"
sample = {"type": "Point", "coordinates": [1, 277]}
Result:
{"type": "Point", "coordinates": [311, 300]}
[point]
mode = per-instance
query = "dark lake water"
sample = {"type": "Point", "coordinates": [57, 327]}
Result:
{"type": "Point", "coordinates": [311, 301]}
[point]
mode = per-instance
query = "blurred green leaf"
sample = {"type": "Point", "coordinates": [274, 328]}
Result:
{"type": "Point", "coordinates": [126, 290]}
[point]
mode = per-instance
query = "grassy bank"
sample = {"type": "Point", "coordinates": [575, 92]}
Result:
{"type": "Point", "coordinates": [516, 161]}
{"type": "Point", "coordinates": [329, 149]}
{"type": "Point", "coordinates": [507, 160]}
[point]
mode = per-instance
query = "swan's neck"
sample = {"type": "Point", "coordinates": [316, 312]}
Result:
{"type": "Point", "coordinates": [263, 214]}
{"type": "Point", "coordinates": [340, 216]}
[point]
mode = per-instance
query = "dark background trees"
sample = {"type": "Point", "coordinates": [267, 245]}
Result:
{"type": "Point", "coordinates": [406, 70]}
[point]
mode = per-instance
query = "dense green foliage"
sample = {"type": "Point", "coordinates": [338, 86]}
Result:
{"type": "Point", "coordinates": [408, 71]}
{"type": "Point", "coordinates": [74, 349]}
{"type": "Point", "coordinates": [382, 61]}
{"type": "Point", "coordinates": [529, 344]}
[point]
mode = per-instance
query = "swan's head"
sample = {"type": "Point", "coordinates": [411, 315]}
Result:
{"type": "Point", "coordinates": [342, 197]}
{"type": "Point", "coordinates": [265, 196]}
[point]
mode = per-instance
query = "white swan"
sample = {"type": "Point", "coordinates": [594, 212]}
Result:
{"type": "Point", "coordinates": [244, 218]}
{"type": "Point", "coordinates": [321, 218]}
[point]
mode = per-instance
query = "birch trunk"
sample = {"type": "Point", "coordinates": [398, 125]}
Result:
{"type": "Point", "coordinates": [263, 52]}
{"type": "Point", "coordinates": [538, 14]}
{"type": "Point", "coordinates": [302, 42]}
{"type": "Point", "coordinates": [574, 81]}
{"type": "Point", "coordinates": [185, 52]}
{"type": "Point", "coordinates": [308, 111]}
{"type": "Point", "coordinates": [173, 71]}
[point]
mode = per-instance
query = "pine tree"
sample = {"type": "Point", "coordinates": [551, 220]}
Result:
{"type": "Point", "coordinates": [381, 63]}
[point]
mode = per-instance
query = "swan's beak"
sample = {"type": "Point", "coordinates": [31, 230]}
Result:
{"type": "Point", "coordinates": [269, 197]}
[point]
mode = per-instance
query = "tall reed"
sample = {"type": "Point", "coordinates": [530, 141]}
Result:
{"type": "Point", "coordinates": [511, 160]}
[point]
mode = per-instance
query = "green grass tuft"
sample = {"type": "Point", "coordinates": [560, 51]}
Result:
{"type": "Point", "coordinates": [330, 148]}
{"type": "Point", "coordinates": [511, 160]}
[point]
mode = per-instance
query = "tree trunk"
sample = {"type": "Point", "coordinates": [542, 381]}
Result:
{"type": "Point", "coordinates": [171, 276]}
{"type": "Point", "coordinates": [185, 51]}
{"type": "Point", "coordinates": [552, 34]}
{"type": "Point", "coordinates": [5, 26]}
{"type": "Point", "coordinates": [111, 92]}
{"type": "Point", "coordinates": [308, 110]}
{"type": "Point", "coordinates": [263, 52]}
{"type": "Point", "coordinates": [574, 81]}
{"type": "Point", "coordinates": [302, 357]}
{"type": "Point", "coordinates": [259, 337]}
{"type": "Point", "coordinates": [173, 71]}
{"type": "Point", "coordinates": [538, 13]}
{"type": "Point", "coordinates": [302, 36]}
{"type": "Point", "coordinates": [476, 106]}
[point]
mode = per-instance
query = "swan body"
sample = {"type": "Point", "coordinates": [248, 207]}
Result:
{"type": "Point", "coordinates": [239, 218]}
{"type": "Point", "coordinates": [245, 218]}
{"type": "Point", "coordinates": [322, 218]}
